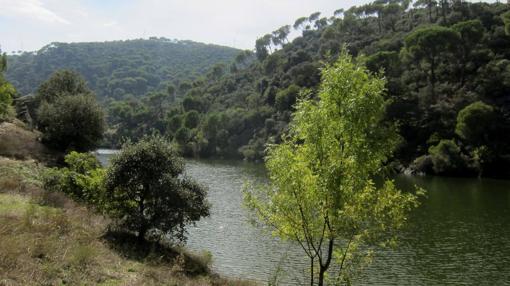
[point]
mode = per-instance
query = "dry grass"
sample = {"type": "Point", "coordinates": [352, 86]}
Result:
{"type": "Point", "coordinates": [17, 142]}
{"type": "Point", "coordinates": [46, 239]}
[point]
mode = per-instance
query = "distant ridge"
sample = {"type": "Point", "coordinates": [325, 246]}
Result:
{"type": "Point", "coordinates": [116, 68]}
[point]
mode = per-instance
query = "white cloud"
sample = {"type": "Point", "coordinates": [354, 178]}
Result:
{"type": "Point", "coordinates": [30, 8]}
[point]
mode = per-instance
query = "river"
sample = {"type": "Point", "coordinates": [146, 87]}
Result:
{"type": "Point", "coordinates": [460, 234]}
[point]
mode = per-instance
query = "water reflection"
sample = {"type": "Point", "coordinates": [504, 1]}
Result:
{"type": "Point", "coordinates": [460, 235]}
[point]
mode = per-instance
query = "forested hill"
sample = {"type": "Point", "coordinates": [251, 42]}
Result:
{"type": "Point", "coordinates": [119, 68]}
{"type": "Point", "coordinates": [447, 67]}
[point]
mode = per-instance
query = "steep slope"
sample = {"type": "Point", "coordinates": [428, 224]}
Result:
{"type": "Point", "coordinates": [438, 59]}
{"type": "Point", "coordinates": [118, 68]}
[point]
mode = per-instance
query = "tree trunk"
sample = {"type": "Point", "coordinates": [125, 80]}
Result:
{"type": "Point", "coordinates": [311, 271]}
{"type": "Point", "coordinates": [142, 229]}
{"type": "Point", "coordinates": [141, 234]}
{"type": "Point", "coordinates": [379, 22]}
{"type": "Point", "coordinates": [433, 76]}
{"type": "Point", "coordinates": [430, 11]}
{"type": "Point", "coordinates": [411, 19]}
{"type": "Point", "coordinates": [324, 267]}
{"type": "Point", "coordinates": [443, 8]}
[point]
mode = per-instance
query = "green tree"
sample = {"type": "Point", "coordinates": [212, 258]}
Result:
{"type": "Point", "coordinates": [446, 158]}
{"type": "Point", "coordinates": [506, 20]}
{"type": "Point", "coordinates": [429, 4]}
{"type": "Point", "coordinates": [471, 33]}
{"type": "Point", "coordinates": [428, 44]}
{"type": "Point", "coordinates": [286, 98]}
{"type": "Point", "coordinates": [158, 102]}
{"type": "Point", "coordinates": [261, 48]}
{"type": "Point", "coordinates": [314, 16]}
{"type": "Point", "coordinates": [185, 87]}
{"type": "Point", "coordinates": [183, 135]}
{"type": "Point", "coordinates": [62, 83]}
{"type": "Point", "coordinates": [191, 119]}
{"type": "Point", "coordinates": [71, 122]}
{"type": "Point", "coordinates": [216, 72]}
{"type": "Point", "coordinates": [146, 190]}
{"type": "Point", "coordinates": [193, 103]}
{"type": "Point", "coordinates": [475, 123]}
{"type": "Point", "coordinates": [392, 13]}
{"type": "Point", "coordinates": [321, 194]}
{"type": "Point", "coordinates": [7, 90]}
{"type": "Point", "coordinates": [241, 58]}
{"type": "Point", "coordinates": [280, 35]}
{"type": "Point", "coordinates": [298, 24]}
{"type": "Point", "coordinates": [174, 123]}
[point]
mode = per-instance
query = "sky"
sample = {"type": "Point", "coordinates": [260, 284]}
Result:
{"type": "Point", "coordinates": [28, 25]}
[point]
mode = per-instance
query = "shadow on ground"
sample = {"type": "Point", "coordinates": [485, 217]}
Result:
{"type": "Point", "coordinates": [157, 253]}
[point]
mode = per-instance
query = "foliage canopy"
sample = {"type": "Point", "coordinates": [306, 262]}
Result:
{"type": "Point", "coordinates": [321, 194]}
{"type": "Point", "coordinates": [146, 190]}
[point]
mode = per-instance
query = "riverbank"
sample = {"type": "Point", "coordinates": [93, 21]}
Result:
{"type": "Point", "coordinates": [49, 239]}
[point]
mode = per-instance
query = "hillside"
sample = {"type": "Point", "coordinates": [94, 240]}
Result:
{"type": "Point", "coordinates": [16, 141]}
{"type": "Point", "coordinates": [438, 60]}
{"type": "Point", "coordinates": [48, 239]}
{"type": "Point", "coordinates": [119, 68]}
{"type": "Point", "coordinates": [446, 65]}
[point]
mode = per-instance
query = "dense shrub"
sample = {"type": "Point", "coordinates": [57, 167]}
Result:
{"type": "Point", "coordinates": [71, 123]}
{"type": "Point", "coordinates": [81, 179]}
{"type": "Point", "coordinates": [146, 190]}
{"type": "Point", "coordinates": [447, 158]}
{"type": "Point", "coordinates": [422, 164]}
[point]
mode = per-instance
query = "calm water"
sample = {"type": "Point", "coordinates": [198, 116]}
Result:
{"type": "Point", "coordinates": [460, 235]}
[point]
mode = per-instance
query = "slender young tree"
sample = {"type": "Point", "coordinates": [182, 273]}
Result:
{"type": "Point", "coordinates": [321, 194]}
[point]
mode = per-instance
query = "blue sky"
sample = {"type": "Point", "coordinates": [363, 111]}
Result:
{"type": "Point", "coordinates": [30, 24]}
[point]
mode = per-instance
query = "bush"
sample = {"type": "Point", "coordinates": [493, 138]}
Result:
{"type": "Point", "coordinates": [82, 179]}
{"type": "Point", "coordinates": [446, 158]}
{"type": "Point", "coordinates": [423, 164]}
{"type": "Point", "coordinates": [146, 191]}
{"type": "Point", "coordinates": [72, 123]}
{"type": "Point", "coordinates": [7, 93]}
